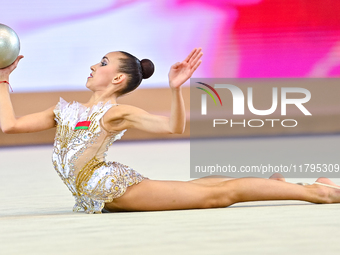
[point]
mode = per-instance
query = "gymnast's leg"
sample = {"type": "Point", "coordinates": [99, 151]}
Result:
{"type": "Point", "coordinates": [215, 179]}
{"type": "Point", "coordinates": [152, 195]}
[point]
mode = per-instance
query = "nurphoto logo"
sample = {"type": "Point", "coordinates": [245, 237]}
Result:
{"type": "Point", "coordinates": [239, 104]}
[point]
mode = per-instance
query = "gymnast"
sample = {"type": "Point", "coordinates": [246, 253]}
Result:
{"type": "Point", "coordinates": [85, 131]}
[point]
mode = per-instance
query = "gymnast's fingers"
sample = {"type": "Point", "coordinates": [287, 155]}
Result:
{"type": "Point", "coordinates": [190, 55]}
{"type": "Point", "coordinates": [195, 57]}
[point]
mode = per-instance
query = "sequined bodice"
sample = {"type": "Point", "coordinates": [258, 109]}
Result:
{"type": "Point", "coordinates": [74, 148]}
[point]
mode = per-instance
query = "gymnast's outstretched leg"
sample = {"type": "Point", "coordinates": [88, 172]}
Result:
{"type": "Point", "coordinates": [215, 179]}
{"type": "Point", "coordinates": [152, 195]}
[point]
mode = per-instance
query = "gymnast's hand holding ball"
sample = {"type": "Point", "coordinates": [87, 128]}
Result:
{"type": "Point", "coordinates": [9, 51]}
{"type": "Point", "coordinates": [5, 72]}
{"type": "Point", "coordinates": [182, 71]}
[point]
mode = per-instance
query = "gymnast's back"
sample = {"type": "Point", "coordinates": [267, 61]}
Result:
{"type": "Point", "coordinates": [79, 152]}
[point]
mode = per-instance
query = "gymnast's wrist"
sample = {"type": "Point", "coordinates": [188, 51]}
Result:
{"type": "Point", "coordinates": [4, 82]}
{"type": "Point", "coordinates": [4, 77]}
{"type": "Point", "coordinates": [7, 83]}
{"type": "Point", "coordinates": [176, 89]}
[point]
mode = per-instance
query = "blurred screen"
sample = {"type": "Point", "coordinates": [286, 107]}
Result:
{"type": "Point", "coordinates": [240, 38]}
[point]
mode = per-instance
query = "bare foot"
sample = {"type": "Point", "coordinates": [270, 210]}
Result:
{"type": "Point", "coordinates": [326, 181]}
{"type": "Point", "coordinates": [278, 177]}
{"type": "Point", "coordinates": [331, 195]}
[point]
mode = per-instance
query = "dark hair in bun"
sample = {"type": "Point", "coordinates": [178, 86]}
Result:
{"type": "Point", "coordinates": [147, 68]}
{"type": "Point", "coordinates": [136, 71]}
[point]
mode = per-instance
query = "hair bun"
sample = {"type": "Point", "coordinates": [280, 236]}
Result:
{"type": "Point", "coordinates": [148, 68]}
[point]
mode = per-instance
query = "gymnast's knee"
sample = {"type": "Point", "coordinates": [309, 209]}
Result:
{"type": "Point", "coordinates": [219, 200]}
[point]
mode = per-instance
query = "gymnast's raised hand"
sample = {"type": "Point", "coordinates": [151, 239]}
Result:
{"type": "Point", "coordinates": [182, 71]}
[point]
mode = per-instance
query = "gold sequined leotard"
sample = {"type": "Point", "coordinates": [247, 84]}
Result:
{"type": "Point", "coordinates": [80, 147]}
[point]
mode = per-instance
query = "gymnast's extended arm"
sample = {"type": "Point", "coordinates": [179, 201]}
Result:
{"type": "Point", "coordinates": [134, 117]}
{"type": "Point", "coordinates": [9, 123]}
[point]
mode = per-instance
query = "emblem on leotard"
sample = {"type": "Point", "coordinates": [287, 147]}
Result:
{"type": "Point", "coordinates": [83, 125]}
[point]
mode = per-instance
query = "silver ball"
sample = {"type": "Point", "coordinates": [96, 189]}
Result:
{"type": "Point", "coordinates": [9, 46]}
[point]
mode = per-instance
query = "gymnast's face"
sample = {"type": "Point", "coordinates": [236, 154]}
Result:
{"type": "Point", "coordinates": [105, 73]}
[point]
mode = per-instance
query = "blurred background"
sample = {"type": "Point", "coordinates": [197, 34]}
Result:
{"type": "Point", "coordinates": [240, 39]}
